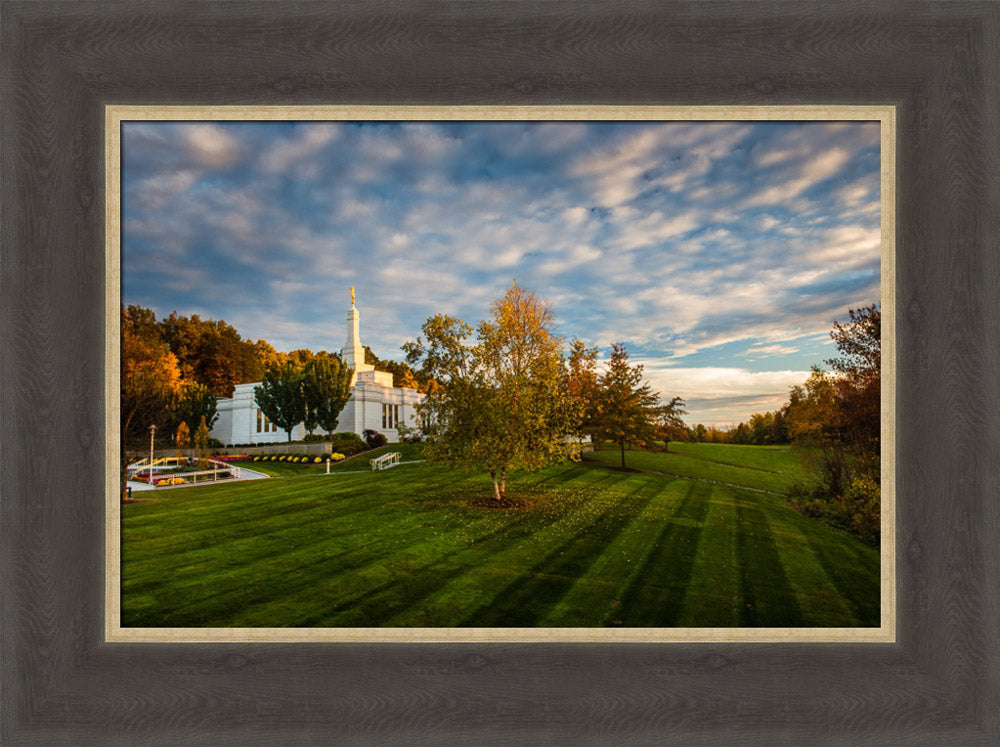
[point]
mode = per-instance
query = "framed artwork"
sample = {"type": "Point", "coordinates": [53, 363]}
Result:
{"type": "Point", "coordinates": [932, 676]}
{"type": "Point", "coordinates": [592, 206]}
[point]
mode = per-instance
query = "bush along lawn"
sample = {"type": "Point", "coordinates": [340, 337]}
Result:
{"type": "Point", "coordinates": [286, 465]}
{"type": "Point", "coordinates": [690, 540]}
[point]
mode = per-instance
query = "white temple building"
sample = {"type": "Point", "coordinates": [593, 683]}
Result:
{"type": "Point", "coordinates": [374, 404]}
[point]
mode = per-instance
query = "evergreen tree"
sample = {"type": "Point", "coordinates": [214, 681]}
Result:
{"type": "Point", "coordinates": [628, 409]}
{"type": "Point", "coordinates": [201, 442]}
{"type": "Point", "coordinates": [183, 440]}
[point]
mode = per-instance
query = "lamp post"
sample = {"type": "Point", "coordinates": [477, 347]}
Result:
{"type": "Point", "coordinates": [152, 432]}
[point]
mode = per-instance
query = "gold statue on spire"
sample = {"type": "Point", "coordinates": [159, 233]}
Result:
{"type": "Point", "coordinates": [352, 295]}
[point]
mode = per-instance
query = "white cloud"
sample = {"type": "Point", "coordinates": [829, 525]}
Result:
{"type": "Point", "coordinates": [153, 192]}
{"type": "Point", "coordinates": [721, 393]}
{"type": "Point", "coordinates": [291, 152]}
{"type": "Point", "coordinates": [211, 145]}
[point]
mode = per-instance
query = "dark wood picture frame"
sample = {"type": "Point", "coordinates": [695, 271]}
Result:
{"type": "Point", "coordinates": [938, 63]}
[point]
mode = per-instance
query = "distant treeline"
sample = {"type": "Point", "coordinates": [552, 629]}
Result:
{"type": "Point", "coordinates": [763, 428]}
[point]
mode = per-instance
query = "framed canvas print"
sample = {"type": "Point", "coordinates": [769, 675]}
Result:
{"type": "Point", "coordinates": [209, 226]}
{"type": "Point", "coordinates": [553, 477]}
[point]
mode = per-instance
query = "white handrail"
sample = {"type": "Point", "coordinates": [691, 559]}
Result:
{"type": "Point", "coordinates": [385, 461]}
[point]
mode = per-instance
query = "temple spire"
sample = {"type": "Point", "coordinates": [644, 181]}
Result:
{"type": "Point", "coordinates": [353, 352]}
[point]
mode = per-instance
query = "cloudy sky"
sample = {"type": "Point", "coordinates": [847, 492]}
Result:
{"type": "Point", "coordinates": [719, 253]}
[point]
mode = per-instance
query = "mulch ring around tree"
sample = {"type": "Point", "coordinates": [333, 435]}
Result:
{"type": "Point", "coordinates": [505, 502]}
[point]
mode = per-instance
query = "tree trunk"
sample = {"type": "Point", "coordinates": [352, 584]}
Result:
{"type": "Point", "coordinates": [622, 442]}
{"type": "Point", "coordinates": [503, 483]}
{"type": "Point", "coordinates": [496, 485]}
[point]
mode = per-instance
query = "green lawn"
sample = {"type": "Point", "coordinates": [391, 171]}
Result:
{"type": "Point", "coordinates": [673, 544]}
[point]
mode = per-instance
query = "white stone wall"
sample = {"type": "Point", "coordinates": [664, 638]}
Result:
{"type": "Point", "coordinates": [237, 423]}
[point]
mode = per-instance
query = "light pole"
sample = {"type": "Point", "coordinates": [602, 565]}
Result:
{"type": "Point", "coordinates": [152, 432]}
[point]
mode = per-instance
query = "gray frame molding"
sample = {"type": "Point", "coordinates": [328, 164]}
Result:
{"type": "Point", "coordinates": [939, 63]}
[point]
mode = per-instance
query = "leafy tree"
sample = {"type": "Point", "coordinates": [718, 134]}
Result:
{"type": "Point", "coordinates": [150, 384]}
{"type": "Point", "coordinates": [581, 386]}
{"type": "Point", "coordinates": [326, 387]}
{"type": "Point", "coordinates": [197, 402]}
{"type": "Point", "coordinates": [402, 374]}
{"type": "Point", "coordinates": [406, 379]}
{"type": "Point", "coordinates": [779, 426]}
{"type": "Point", "coordinates": [859, 343]}
{"type": "Point", "coordinates": [499, 404]}
{"type": "Point", "coordinates": [267, 357]}
{"type": "Point", "coordinates": [815, 422]}
{"type": "Point", "coordinates": [858, 387]}
{"type": "Point", "coordinates": [301, 357]}
{"type": "Point", "coordinates": [211, 352]}
{"type": "Point", "coordinates": [760, 428]}
{"type": "Point", "coordinates": [280, 396]}
{"type": "Point", "coordinates": [837, 417]}
{"type": "Point", "coordinates": [628, 409]}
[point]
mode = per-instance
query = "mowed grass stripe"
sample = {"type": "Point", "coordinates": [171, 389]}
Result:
{"type": "Point", "coordinates": [351, 552]}
{"type": "Point", "coordinates": [655, 594]}
{"type": "Point", "coordinates": [391, 580]}
{"type": "Point", "coordinates": [360, 572]}
{"type": "Point", "coordinates": [464, 595]}
{"type": "Point", "coordinates": [237, 562]}
{"type": "Point", "coordinates": [534, 594]}
{"type": "Point", "coordinates": [854, 570]}
{"type": "Point", "coordinates": [597, 594]}
{"type": "Point", "coordinates": [392, 601]}
{"type": "Point", "coordinates": [713, 597]}
{"type": "Point", "coordinates": [768, 599]}
{"type": "Point", "coordinates": [819, 599]}
{"type": "Point", "coordinates": [198, 538]}
{"type": "Point", "coordinates": [259, 507]}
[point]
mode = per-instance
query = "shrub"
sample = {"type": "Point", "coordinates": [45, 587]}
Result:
{"type": "Point", "coordinates": [374, 439]}
{"type": "Point", "coordinates": [348, 442]}
{"type": "Point", "coordinates": [857, 511]}
{"type": "Point", "coordinates": [314, 439]}
{"type": "Point", "coordinates": [337, 457]}
{"type": "Point", "coordinates": [862, 505]}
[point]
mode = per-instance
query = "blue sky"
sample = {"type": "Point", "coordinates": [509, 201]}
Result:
{"type": "Point", "coordinates": [719, 252]}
